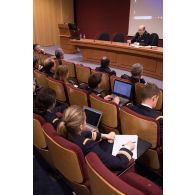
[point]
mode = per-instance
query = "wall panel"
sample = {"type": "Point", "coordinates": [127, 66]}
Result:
{"type": "Point", "coordinates": [47, 14]}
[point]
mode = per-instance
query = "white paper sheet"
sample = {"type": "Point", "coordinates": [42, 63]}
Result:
{"type": "Point", "coordinates": [123, 139]}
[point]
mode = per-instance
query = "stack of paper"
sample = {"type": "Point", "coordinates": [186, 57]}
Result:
{"type": "Point", "coordinates": [121, 140]}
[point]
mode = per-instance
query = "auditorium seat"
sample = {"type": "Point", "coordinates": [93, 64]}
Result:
{"type": "Point", "coordinates": [39, 139]}
{"type": "Point", "coordinates": [147, 129]}
{"type": "Point", "coordinates": [119, 37]}
{"type": "Point", "coordinates": [110, 111]}
{"type": "Point", "coordinates": [71, 69]}
{"type": "Point", "coordinates": [159, 105]}
{"type": "Point", "coordinates": [41, 79]}
{"type": "Point", "coordinates": [104, 36]}
{"type": "Point", "coordinates": [77, 96]}
{"type": "Point", "coordinates": [82, 73]}
{"type": "Point", "coordinates": [68, 159]}
{"type": "Point", "coordinates": [113, 78]}
{"type": "Point", "coordinates": [154, 39]}
{"type": "Point", "coordinates": [105, 83]}
{"type": "Point", "coordinates": [103, 181]}
{"type": "Point", "coordinates": [59, 88]}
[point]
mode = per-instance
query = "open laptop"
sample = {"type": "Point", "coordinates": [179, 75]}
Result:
{"type": "Point", "coordinates": [123, 90]}
{"type": "Point", "coordinates": [93, 118]}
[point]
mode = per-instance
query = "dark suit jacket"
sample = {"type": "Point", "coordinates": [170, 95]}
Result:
{"type": "Point", "coordinates": [89, 142]}
{"type": "Point", "coordinates": [106, 70]}
{"type": "Point", "coordinates": [143, 40]}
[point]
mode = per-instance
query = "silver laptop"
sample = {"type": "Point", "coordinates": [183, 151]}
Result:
{"type": "Point", "coordinates": [93, 118]}
{"type": "Point", "coordinates": [123, 90]}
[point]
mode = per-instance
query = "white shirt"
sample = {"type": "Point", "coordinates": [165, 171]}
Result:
{"type": "Point", "coordinates": [146, 105]}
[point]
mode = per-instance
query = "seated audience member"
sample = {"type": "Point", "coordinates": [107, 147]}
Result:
{"type": "Point", "coordinates": [61, 73]}
{"type": "Point", "coordinates": [59, 53]}
{"type": "Point", "coordinates": [93, 87]}
{"type": "Point", "coordinates": [149, 96]}
{"type": "Point", "coordinates": [36, 64]}
{"type": "Point", "coordinates": [136, 77]}
{"type": "Point", "coordinates": [49, 67]}
{"type": "Point", "coordinates": [142, 36]}
{"type": "Point", "coordinates": [104, 66]}
{"type": "Point", "coordinates": [73, 128]}
{"type": "Point", "coordinates": [136, 74]}
{"type": "Point", "coordinates": [45, 106]}
{"type": "Point", "coordinates": [37, 49]}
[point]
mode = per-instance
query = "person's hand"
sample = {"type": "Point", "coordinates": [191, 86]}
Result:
{"type": "Point", "coordinates": [116, 100]}
{"type": "Point", "coordinates": [130, 145]}
{"type": "Point", "coordinates": [108, 97]}
{"type": "Point", "coordinates": [110, 137]}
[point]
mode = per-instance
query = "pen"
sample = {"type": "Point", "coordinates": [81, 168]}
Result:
{"type": "Point", "coordinates": [124, 144]}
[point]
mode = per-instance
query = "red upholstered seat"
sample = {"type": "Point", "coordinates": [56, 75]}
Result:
{"type": "Point", "coordinates": [68, 159]}
{"type": "Point", "coordinates": [103, 181]}
{"type": "Point", "coordinates": [39, 118]}
{"type": "Point", "coordinates": [141, 183]}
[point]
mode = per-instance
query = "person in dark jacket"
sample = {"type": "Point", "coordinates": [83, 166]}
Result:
{"type": "Point", "coordinates": [149, 96]}
{"type": "Point", "coordinates": [136, 74]}
{"type": "Point", "coordinates": [49, 67]}
{"type": "Point", "coordinates": [44, 105]}
{"type": "Point", "coordinates": [73, 128]}
{"type": "Point", "coordinates": [59, 53]}
{"type": "Point", "coordinates": [94, 81]}
{"type": "Point", "coordinates": [104, 66]}
{"type": "Point", "coordinates": [37, 49]}
{"type": "Point", "coordinates": [142, 36]}
{"type": "Point", "coordinates": [136, 77]}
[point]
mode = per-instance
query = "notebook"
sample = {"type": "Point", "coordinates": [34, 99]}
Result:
{"type": "Point", "coordinates": [123, 139]}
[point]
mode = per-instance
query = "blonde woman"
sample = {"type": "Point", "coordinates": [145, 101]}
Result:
{"type": "Point", "coordinates": [61, 73]}
{"type": "Point", "coordinates": [73, 128]}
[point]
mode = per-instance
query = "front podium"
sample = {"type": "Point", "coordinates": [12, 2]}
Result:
{"type": "Point", "coordinates": [67, 32]}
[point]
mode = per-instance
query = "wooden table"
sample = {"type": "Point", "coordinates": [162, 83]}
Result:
{"type": "Point", "coordinates": [122, 56]}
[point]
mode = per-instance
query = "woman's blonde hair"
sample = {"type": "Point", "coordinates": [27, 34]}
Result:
{"type": "Point", "coordinates": [73, 117]}
{"type": "Point", "coordinates": [61, 73]}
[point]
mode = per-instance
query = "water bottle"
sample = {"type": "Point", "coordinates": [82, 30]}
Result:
{"type": "Point", "coordinates": [84, 36]}
{"type": "Point", "coordinates": [80, 36]}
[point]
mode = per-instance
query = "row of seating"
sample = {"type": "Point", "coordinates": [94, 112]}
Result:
{"type": "Point", "coordinates": [122, 121]}
{"type": "Point", "coordinates": [88, 174]}
{"type": "Point", "coordinates": [82, 73]}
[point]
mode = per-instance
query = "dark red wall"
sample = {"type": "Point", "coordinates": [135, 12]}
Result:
{"type": "Point", "coordinates": [95, 16]}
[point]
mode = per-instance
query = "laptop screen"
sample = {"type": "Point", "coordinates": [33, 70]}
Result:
{"type": "Point", "coordinates": [92, 116]}
{"type": "Point", "coordinates": [122, 88]}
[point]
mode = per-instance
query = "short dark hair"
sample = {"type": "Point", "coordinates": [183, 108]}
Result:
{"type": "Point", "coordinates": [105, 61]}
{"type": "Point", "coordinates": [34, 46]}
{"type": "Point", "coordinates": [149, 90]}
{"type": "Point", "coordinates": [45, 98]}
{"type": "Point", "coordinates": [35, 61]}
{"type": "Point", "coordinates": [94, 80]}
{"type": "Point", "coordinates": [48, 64]}
{"type": "Point", "coordinates": [58, 53]}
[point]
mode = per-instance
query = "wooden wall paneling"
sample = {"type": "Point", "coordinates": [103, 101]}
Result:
{"type": "Point", "coordinates": [47, 14]}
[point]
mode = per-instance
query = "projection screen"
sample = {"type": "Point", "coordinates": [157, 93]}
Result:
{"type": "Point", "coordinates": [148, 13]}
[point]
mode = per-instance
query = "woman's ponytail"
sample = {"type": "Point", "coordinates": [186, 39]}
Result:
{"type": "Point", "coordinates": [61, 129]}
